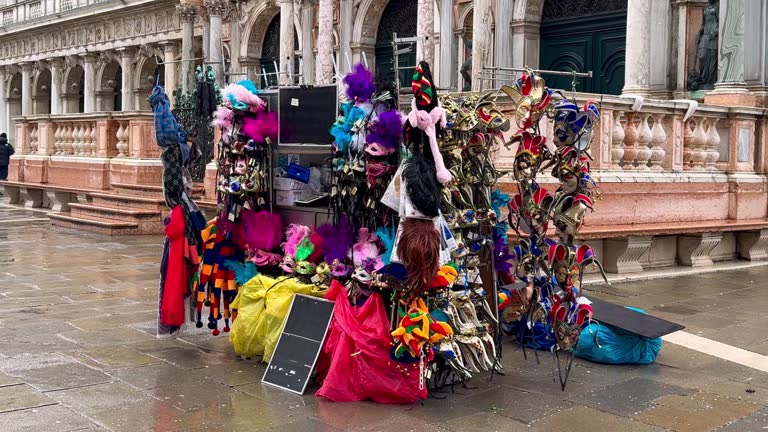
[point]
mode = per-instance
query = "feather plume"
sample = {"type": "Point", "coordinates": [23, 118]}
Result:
{"type": "Point", "coordinates": [261, 127]}
{"type": "Point", "coordinates": [222, 118]}
{"type": "Point", "coordinates": [419, 250]}
{"type": "Point", "coordinates": [365, 249]}
{"type": "Point", "coordinates": [241, 98]}
{"type": "Point", "coordinates": [293, 236]}
{"type": "Point", "coordinates": [359, 83]}
{"type": "Point", "coordinates": [421, 185]}
{"type": "Point", "coordinates": [502, 257]}
{"type": "Point", "coordinates": [388, 130]}
{"type": "Point", "coordinates": [244, 272]}
{"type": "Point", "coordinates": [387, 238]}
{"type": "Point", "coordinates": [317, 250]}
{"type": "Point", "coordinates": [258, 230]}
{"type": "Point", "coordinates": [337, 241]}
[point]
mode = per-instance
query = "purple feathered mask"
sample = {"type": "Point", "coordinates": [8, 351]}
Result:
{"type": "Point", "coordinates": [387, 130]}
{"type": "Point", "coordinates": [359, 83]}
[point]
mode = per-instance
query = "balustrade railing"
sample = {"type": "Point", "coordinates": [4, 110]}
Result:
{"type": "Point", "coordinates": [668, 137]}
{"type": "Point", "coordinates": [107, 135]}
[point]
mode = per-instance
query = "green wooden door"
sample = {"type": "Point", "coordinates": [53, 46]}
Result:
{"type": "Point", "coordinates": [596, 43]}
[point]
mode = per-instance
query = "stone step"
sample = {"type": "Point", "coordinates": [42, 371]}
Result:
{"type": "Point", "coordinates": [150, 221]}
{"type": "Point", "coordinates": [150, 191]}
{"type": "Point", "coordinates": [128, 202]}
{"type": "Point", "coordinates": [94, 224]}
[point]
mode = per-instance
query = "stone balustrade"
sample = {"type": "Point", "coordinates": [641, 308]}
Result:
{"type": "Point", "coordinates": [660, 137]}
{"type": "Point", "coordinates": [89, 151]}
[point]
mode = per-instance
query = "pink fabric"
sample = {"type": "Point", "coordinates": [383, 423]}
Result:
{"type": "Point", "coordinates": [354, 364]}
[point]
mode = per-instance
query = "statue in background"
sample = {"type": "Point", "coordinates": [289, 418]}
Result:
{"type": "Point", "coordinates": [704, 75]}
{"type": "Point", "coordinates": [466, 67]}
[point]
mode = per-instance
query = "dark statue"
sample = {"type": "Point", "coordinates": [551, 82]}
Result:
{"type": "Point", "coordinates": [704, 75]}
{"type": "Point", "coordinates": [466, 67]}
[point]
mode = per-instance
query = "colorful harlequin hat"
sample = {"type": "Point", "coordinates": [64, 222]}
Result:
{"type": "Point", "coordinates": [418, 328]}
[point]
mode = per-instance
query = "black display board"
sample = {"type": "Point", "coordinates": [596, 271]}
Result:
{"type": "Point", "coordinates": [634, 322]}
{"type": "Point", "coordinates": [306, 114]}
{"type": "Point", "coordinates": [300, 342]}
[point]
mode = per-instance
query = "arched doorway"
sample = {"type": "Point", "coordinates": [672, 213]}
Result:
{"type": "Point", "coordinates": [584, 35]}
{"type": "Point", "coordinates": [14, 104]}
{"type": "Point", "coordinates": [398, 17]}
{"type": "Point", "coordinates": [149, 73]}
{"type": "Point", "coordinates": [109, 94]}
{"type": "Point", "coordinates": [41, 94]}
{"type": "Point", "coordinates": [270, 53]}
{"type": "Point", "coordinates": [73, 95]}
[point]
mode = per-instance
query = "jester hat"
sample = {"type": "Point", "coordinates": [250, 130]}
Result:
{"type": "Point", "coordinates": [418, 328]}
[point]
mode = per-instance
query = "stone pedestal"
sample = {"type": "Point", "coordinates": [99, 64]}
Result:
{"type": "Point", "coordinates": [694, 249]}
{"type": "Point", "coordinates": [753, 245]}
{"type": "Point", "coordinates": [625, 255]}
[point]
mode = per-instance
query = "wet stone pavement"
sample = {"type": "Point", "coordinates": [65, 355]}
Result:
{"type": "Point", "coordinates": [78, 353]}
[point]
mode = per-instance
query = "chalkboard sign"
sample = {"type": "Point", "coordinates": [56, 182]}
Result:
{"type": "Point", "coordinates": [306, 114]}
{"type": "Point", "coordinates": [300, 342]}
{"type": "Point", "coordinates": [634, 322]}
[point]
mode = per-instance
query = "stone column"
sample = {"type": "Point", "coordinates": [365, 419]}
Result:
{"type": "Point", "coordinates": [57, 77]}
{"type": "Point", "coordinates": [169, 58]}
{"type": "Point", "coordinates": [681, 40]}
{"type": "Point", "coordinates": [205, 18]}
{"type": "Point", "coordinates": [526, 40]}
{"type": "Point", "coordinates": [286, 42]}
{"type": "Point", "coordinates": [324, 69]}
{"type": "Point", "coordinates": [482, 23]}
{"type": "Point", "coordinates": [661, 49]}
{"type": "Point", "coordinates": [127, 62]}
{"type": "Point", "coordinates": [447, 66]}
{"type": "Point", "coordinates": [26, 88]}
{"type": "Point", "coordinates": [187, 14]}
{"type": "Point", "coordinates": [503, 39]}
{"type": "Point", "coordinates": [425, 29]}
{"type": "Point", "coordinates": [307, 50]}
{"type": "Point", "coordinates": [234, 42]}
{"type": "Point", "coordinates": [89, 90]}
{"type": "Point", "coordinates": [215, 9]}
{"type": "Point", "coordinates": [730, 67]}
{"type": "Point", "coordinates": [4, 104]}
{"type": "Point", "coordinates": [346, 21]}
{"type": "Point", "coordinates": [637, 67]}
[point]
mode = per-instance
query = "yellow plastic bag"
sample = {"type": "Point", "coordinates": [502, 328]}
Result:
{"type": "Point", "coordinates": [262, 305]}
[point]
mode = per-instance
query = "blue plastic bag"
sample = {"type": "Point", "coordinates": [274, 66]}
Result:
{"type": "Point", "coordinates": [602, 343]}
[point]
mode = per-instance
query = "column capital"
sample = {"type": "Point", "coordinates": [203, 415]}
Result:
{"type": "Point", "coordinates": [56, 62]}
{"type": "Point", "coordinates": [90, 58]}
{"type": "Point", "coordinates": [170, 46]}
{"type": "Point", "coordinates": [187, 12]}
{"type": "Point", "coordinates": [215, 7]}
{"type": "Point", "coordinates": [25, 66]}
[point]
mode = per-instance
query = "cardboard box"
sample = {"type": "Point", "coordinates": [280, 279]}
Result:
{"type": "Point", "coordinates": [289, 197]}
{"type": "Point", "coordinates": [287, 184]}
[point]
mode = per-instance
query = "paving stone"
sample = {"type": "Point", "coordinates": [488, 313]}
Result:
{"type": "Point", "coordinates": [52, 418]}
{"type": "Point", "coordinates": [156, 375]}
{"type": "Point", "coordinates": [119, 357]}
{"type": "Point", "coordinates": [100, 397]}
{"type": "Point", "coordinates": [116, 336]}
{"type": "Point", "coordinates": [515, 404]}
{"type": "Point", "coordinates": [192, 358]}
{"type": "Point", "coordinates": [140, 417]}
{"type": "Point", "coordinates": [485, 421]}
{"type": "Point", "coordinates": [236, 373]}
{"type": "Point", "coordinates": [628, 397]}
{"type": "Point", "coordinates": [6, 380]}
{"type": "Point", "coordinates": [21, 396]}
{"type": "Point", "coordinates": [588, 419]}
{"type": "Point", "coordinates": [62, 376]}
{"type": "Point", "coordinates": [280, 397]}
{"type": "Point", "coordinates": [757, 422]}
{"type": "Point", "coordinates": [698, 412]}
{"type": "Point", "coordinates": [191, 396]}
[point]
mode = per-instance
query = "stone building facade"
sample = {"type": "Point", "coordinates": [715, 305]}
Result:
{"type": "Point", "coordinates": [682, 85]}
